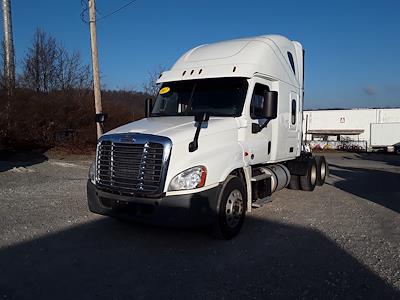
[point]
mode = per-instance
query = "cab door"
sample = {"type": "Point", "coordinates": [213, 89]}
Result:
{"type": "Point", "coordinates": [259, 144]}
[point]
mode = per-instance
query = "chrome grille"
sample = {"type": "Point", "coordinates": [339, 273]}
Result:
{"type": "Point", "coordinates": [131, 167]}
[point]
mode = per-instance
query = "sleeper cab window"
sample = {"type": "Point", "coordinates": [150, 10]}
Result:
{"type": "Point", "coordinates": [257, 101]}
{"type": "Point", "coordinates": [290, 56]}
{"type": "Point", "coordinates": [293, 111]}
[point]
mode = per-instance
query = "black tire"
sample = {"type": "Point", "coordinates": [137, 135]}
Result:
{"type": "Point", "coordinates": [308, 181]}
{"type": "Point", "coordinates": [232, 195]}
{"type": "Point", "coordinates": [322, 169]}
{"type": "Point", "coordinates": [294, 183]}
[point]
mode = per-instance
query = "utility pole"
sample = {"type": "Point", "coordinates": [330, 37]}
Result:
{"type": "Point", "coordinates": [9, 62]}
{"type": "Point", "coordinates": [95, 63]}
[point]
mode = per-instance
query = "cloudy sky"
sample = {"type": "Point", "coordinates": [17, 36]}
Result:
{"type": "Point", "coordinates": [352, 47]}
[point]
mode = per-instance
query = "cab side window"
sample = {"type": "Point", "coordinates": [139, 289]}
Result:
{"type": "Point", "coordinates": [291, 61]}
{"type": "Point", "coordinates": [257, 101]}
{"type": "Point", "coordinates": [293, 118]}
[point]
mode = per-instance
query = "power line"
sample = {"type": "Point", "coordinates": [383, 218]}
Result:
{"type": "Point", "coordinates": [85, 9]}
{"type": "Point", "coordinates": [117, 10]}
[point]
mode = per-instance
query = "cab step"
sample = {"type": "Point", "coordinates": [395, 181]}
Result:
{"type": "Point", "coordinates": [261, 202]}
{"type": "Point", "coordinates": [259, 177]}
{"type": "Point", "coordinates": [261, 188]}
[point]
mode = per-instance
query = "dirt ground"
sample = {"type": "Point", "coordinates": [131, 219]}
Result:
{"type": "Point", "coordinates": [341, 241]}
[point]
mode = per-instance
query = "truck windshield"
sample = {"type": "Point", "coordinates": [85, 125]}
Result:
{"type": "Point", "coordinates": [218, 97]}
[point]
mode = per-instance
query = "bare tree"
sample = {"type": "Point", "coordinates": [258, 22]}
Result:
{"type": "Point", "coordinates": [150, 87]}
{"type": "Point", "coordinates": [71, 72]}
{"type": "Point", "coordinates": [39, 64]}
{"type": "Point", "coordinates": [48, 66]}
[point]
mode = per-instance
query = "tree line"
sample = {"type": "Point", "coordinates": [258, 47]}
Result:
{"type": "Point", "coordinates": [53, 100]}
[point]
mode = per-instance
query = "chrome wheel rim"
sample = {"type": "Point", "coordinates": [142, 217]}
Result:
{"type": "Point", "coordinates": [323, 170]}
{"type": "Point", "coordinates": [313, 174]}
{"type": "Point", "coordinates": [234, 208]}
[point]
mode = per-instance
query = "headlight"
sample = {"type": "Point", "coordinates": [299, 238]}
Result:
{"type": "Point", "coordinates": [92, 172]}
{"type": "Point", "coordinates": [189, 179]}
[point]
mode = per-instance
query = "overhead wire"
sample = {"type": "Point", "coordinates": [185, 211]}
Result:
{"type": "Point", "coordinates": [84, 11]}
{"type": "Point", "coordinates": [117, 10]}
{"type": "Point", "coordinates": [86, 8]}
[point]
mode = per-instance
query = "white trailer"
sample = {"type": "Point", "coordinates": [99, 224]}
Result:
{"type": "Point", "coordinates": [384, 135]}
{"type": "Point", "coordinates": [352, 124]}
{"type": "Point", "coordinates": [225, 132]}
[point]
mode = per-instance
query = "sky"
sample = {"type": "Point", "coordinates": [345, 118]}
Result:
{"type": "Point", "coordinates": [352, 47]}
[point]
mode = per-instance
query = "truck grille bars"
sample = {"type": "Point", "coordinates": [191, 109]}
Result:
{"type": "Point", "coordinates": [132, 163]}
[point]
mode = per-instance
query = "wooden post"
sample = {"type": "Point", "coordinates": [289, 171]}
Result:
{"type": "Point", "coordinates": [9, 60]}
{"type": "Point", "coordinates": [95, 63]}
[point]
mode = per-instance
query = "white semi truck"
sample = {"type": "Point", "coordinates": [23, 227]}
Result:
{"type": "Point", "coordinates": [224, 133]}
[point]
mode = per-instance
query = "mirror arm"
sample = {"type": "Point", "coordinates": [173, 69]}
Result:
{"type": "Point", "coordinates": [257, 128]}
{"type": "Point", "coordinates": [148, 107]}
{"type": "Point", "coordinates": [265, 124]}
{"type": "Point", "coordinates": [194, 145]}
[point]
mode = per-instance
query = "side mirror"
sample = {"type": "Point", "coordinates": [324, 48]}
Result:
{"type": "Point", "coordinates": [270, 107]}
{"type": "Point", "coordinates": [269, 110]}
{"type": "Point", "coordinates": [148, 107]}
{"type": "Point", "coordinates": [101, 118]}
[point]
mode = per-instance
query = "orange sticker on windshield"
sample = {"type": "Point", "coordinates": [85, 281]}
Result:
{"type": "Point", "coordinates": [164, 90]}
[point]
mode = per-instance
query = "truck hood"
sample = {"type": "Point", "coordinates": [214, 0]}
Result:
{"type": "Point", "coordinates": [178, 129]}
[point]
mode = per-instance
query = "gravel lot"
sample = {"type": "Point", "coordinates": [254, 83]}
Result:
{"type": "Point", "coordinates": [340, 241]}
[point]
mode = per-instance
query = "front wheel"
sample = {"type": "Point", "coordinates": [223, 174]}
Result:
{"type": "Point", "coordinates": [232, 208]}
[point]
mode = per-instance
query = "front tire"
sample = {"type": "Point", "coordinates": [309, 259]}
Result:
{"type": "Point", "coordinates": [231, 209]}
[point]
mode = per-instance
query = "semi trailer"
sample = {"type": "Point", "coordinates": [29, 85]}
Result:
{"type": "Point", "coordinates": [385, 136]}
{"type": "Point", "coordinates": [224, 134]}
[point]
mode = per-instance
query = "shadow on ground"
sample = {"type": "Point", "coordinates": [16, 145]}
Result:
{"type": "Point", "coordinates": [112, 260]}
{"type": "Point", "coordinates": [10, 160]}
{"type": "Point", "coordinates": [381, 187]}
{"type": "Point", "coordinates": [390, 159]}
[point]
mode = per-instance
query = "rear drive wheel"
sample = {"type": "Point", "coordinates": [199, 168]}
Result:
{"type": "Point", "coordinates": [308, 181]}
{"type": "Point", "coordinates": [232, 208]}
{"type": "Point", "coordinates": [322, 169]}
{"type": "Point", "coordinates": [294, 183]}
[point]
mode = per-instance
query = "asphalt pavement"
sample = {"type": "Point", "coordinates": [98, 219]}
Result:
{"type": "Point", "coordinates": [341, 241]}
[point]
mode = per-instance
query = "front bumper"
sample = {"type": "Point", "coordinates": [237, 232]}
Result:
{"type": "Point", "coordinates": [188, 210]}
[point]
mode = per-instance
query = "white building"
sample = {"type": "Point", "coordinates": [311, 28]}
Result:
{"type": "Point", "coordinates": [362, 125]}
